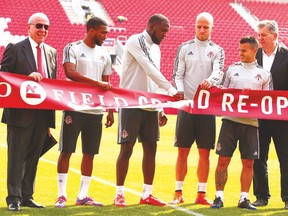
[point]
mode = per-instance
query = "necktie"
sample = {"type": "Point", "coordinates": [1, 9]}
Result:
{"type": "Point", "coordinates": [39, 61]}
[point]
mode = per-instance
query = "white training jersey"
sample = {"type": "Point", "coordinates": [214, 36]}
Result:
{"type": "Point", "coordinates": [141, 65]}
{"type": "Point", "coordinates": [247, 76]}
{"type": "Point", "coordinates": [90, 62]}
{"type": "Point", "coordinates": [195, 61]}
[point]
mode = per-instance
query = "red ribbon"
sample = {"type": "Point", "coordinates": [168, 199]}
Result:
{"type": "Point", "coordinates": [18, 91]}
{"type": "Point", "coordinates": [242, 103]}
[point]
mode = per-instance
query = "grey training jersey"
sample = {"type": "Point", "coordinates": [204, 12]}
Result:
{"type": "Point", "coordinates": [195, 61]}
{"type": "Point", "coordinates": [141, 65]}
{"type": "Point", "coordinates": [250, 76]}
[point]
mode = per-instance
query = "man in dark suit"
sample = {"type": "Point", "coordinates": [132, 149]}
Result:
{"type": "Point", "coordinates": [27, 129]}
{"type": "Point", "coordinates": [273, 56]}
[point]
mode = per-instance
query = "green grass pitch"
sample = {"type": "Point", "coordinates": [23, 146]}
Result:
{"type": "Point", "coordinates": [102, 186]}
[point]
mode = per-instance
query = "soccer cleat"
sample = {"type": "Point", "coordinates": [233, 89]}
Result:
{"type": "Point", "coordinates": [88, 201]}
{"type": "Point", "coordinates": [178, 198]}
{"type": "Point", "coordinates": [246, 204]}
{"type": "Point", "coordinates": [152, 201]}
{"type": "Point", "coordinates": [218, 203]}
{"type": "Point", "coordinates": [120, 201]}
{"type": "Point", "coordinates": [61, 202]}
{"type": "Point", "coordinates": [202, 199]}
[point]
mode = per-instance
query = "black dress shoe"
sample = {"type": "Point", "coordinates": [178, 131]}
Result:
{"type": "Point", "coordinates": [260, 202]}
{"type": "Point", "coordinates": [31, 203]}
{"type": "Point", "coordinates": [15, 206]}
{"type": "Point", "coordinates": [286, 205]}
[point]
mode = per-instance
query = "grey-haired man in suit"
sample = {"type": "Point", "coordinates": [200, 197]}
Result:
{"type": "Point", "coordinates": [273, 56]}
{"type": "Point", "coordinates": [27, 129]}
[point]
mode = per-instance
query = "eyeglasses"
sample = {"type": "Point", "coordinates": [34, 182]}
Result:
{"type": "Point", "coordinates": [40, 26]}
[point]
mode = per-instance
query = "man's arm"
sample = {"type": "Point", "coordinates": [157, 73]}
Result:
{"type": "Point", "coordinates": [179, 69]}
{"type": "Point", "coordinates": [9, 58]}
{"type": "Point", "coordinates": [73, 74]}
{"type": "Point", "coordinates": [217, 74]}
{"type": "Point", "coordinates": [145, 60]}
{"type": "Point", "coordinates": [162, 118]}
{"type": "Point", "coordinates": [110, 115]}
{"type": "Point", "coordinates": [9, 62]}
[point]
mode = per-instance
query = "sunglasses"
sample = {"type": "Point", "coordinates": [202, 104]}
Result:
{"type": "Point", "coordinates": [40, 26]}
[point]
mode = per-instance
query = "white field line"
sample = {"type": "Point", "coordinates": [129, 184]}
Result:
{"type": "Point", "coordinates": [187, 211]}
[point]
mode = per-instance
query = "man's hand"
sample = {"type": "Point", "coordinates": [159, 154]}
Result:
{"type": "Point", "coordinates": [245, 90]}
{"type": "Point", "coordinates": [205, 84]}
{"type": "Point", "coordinates": [104, 85]}
{"type": "Point", "coordinates": [36, 76]}
{"type": "Point", "coordinates": [109, 119]}
{"type": "Point", "coordinates": [179, 95]}
{"type": "Point", "coordinates": [162, 118]}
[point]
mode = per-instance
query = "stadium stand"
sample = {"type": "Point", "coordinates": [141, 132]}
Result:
{"type": "Point", "coordinates": [229, 27]}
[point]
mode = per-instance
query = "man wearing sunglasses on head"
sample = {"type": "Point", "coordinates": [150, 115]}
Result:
{"type": "Point", "coordinates": [27, 129]}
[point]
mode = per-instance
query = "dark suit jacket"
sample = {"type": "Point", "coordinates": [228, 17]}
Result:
{"type": "Point", "coordinates": [18, 58]}
{"type": "Point", "coordinates": [279, 69]}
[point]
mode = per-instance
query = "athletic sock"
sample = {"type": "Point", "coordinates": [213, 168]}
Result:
{"type": "Point", "coordinates": [147, 190]}
{"type": "Point", "coordinates": [243, 195]}
{"type": "Point", "coordinates": [220, 194]}
{"type": "Point", "coordinates": [202, 187]}
{"type": "Point", "coordinates": [119, 190]}
{"type": "Point", "coordinates": [84, 185]}
{"type": "Point", "coordinates": [62, 183]}
{"type": "Point", "coordinates": [179, 186]}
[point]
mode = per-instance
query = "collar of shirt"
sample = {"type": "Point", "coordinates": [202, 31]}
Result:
{"type": "Point", "coordinates": [34, 44]}
{"type": "Point", "coordinates": [274, 52]}
{"type": "Point", "coordinates": [268, 60]}
{"type": "Point", "coordinates": [34, 49]}
{"type": "Point", "coordinates": [147, 37]}
{"type": "Point", "coordinates": [249, 65]}
{"type": "Point", "coordinates": [202, 43]}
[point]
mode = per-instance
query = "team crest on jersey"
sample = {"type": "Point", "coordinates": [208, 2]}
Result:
{"type": "Point", "coordinates": [218, 147]}
{"type": "Point", "coordinates": [258, 77]}
{"type": "Point", "coordinates": [124, 134]}
{"type": "Point", "coordinates": [68, 119]}
{"type": "Point", "coordinates": [210, 54]}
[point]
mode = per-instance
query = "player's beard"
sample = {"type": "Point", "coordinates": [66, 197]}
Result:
{"type": "Point", "coordinates": [97, 42]}
{"type": "Point", "coordinates": [155, 39]}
